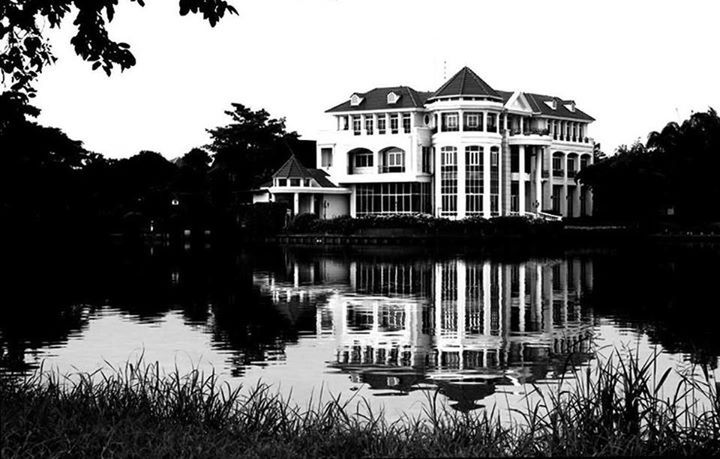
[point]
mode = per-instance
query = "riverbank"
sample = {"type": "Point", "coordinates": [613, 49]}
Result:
{"type": "Point", "coordinates": [138, 411]}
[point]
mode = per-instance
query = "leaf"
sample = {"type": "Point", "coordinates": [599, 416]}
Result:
{"type": "Point", "coordinates": [96, 65]}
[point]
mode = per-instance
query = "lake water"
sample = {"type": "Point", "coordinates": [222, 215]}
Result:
{"type": "Point", "coordinates": [391, 325]}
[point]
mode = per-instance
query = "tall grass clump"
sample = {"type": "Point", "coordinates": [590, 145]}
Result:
{"type": "Point", "coordinates": [617, 408]}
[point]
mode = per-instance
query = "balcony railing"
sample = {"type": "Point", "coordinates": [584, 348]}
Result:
{"type": "Point", "coordinates": [572, 173]}
{"type": "Point", "coordinates": [545, 174]}
{"type": "Point", "coordinates": [558, 173]}
{"type": "Point", "coordinates": [529, 131]}
{"type": "Point", "coordinates": [391, 169]}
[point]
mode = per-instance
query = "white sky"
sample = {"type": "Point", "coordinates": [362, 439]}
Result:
{"type": "Point", "coordinates": [633, 65]}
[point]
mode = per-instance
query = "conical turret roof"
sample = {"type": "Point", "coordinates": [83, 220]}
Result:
{"type": "Point", "coordinates": [466, 83]}
{"type": "Point", "coordinates": [292, 168]}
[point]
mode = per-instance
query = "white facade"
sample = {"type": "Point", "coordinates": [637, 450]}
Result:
{"type": "Point", "coordinates": [465, 150]}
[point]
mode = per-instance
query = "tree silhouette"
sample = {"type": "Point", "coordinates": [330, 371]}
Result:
{"type": "Point", "coordinates": [675, 170]}
{"type": "Point", "coordinates": [28, 51]}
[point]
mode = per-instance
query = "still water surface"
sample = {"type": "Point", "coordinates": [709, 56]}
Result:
{"type": "Point", "coordinates": [391, 326]}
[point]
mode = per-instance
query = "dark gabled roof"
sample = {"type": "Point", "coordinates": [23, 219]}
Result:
{"type": "Point", "coordinates": [292, 168]}
{"type": "Point", "coordinates": [376, 99]}
{"type": "Point", "coordinates": [321, 177]}
{"type": "Point", "coordinates": [538, 105]}
{"type": "Point", "coordinates": [466, 83]}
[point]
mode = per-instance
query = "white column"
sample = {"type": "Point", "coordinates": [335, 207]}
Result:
{"type": "Point", "coordinates": [312, 203]}
{"type": "Point", "coordinates": [353, 203]}
{"type": "Point", "coordinates": [486, 181]}
{"type": "Point", "coordinates": [521, 183]}
{"type": "Point", "coordinates": [437, 173]}
{"type": "Point", "coordinates": [461, 167]}
{"type": "Point", "coordinates": [564, 199]}
{"type": "Point", "coordinates": [296, 203]}
{"type": "Point", "coordinates": [521, 294]}
{"type": "Point", "coordinates": [522, 125]}
{"type": "Point", "coordinates": [538, 178]}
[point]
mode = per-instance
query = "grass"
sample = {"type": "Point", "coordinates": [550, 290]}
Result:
{"type": "Point", "coordinates": [617, 408]}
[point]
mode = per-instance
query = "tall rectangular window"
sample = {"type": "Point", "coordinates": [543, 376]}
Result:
{"type": "Point", "coordinates": [381, 124]}
{"type": "Point", "coordinates": [393, 124]}
{"type": "Point", "coordinates": [357, 125]}
{"type": "Point", "coordinates": [492, 122]}
{"type": "Point", "coordinates": [406, 123]}
{"type": "Point", "coordinates": [326, 157]}
{"type": "Point", "coordinates": [426, 159]}
{"type": "Point", "coordinates": [448, 181]}
{"type": "Point", "coordinates": [494, 180]}
{"type": "Point", "coordinates": [450, 122]}
{"type": "Point", "coordinates": [474, 180]}
{"type": "Point", "coordinates": [369, 125]}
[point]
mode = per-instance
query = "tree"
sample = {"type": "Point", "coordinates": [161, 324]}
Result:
{"type": "Point", "coordinates": [250, 149]}
{"type": "Point", "coordinates": [675, 169]}
{"type": "Point", "coordinates": [27, 50]}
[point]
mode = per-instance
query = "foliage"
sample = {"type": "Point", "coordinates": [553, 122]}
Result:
{"type": "Point", "coordinates": [674, 169]}
{"type": "Point", "coordinates": [28, 51]}
{"type": "Point", "coordinates": [424, 224]}
{"type": "Point", "coordinates": [248, 150]}
{"type": "Point", "coordinates": [616, 409]}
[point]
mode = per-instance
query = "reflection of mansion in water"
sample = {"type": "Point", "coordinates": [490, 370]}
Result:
{"type": "Point", "coordinates": [453, 318]}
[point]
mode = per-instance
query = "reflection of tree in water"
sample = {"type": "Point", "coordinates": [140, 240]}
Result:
{"type": "Point", "coordinates": [669, 293]}
{"type": "Point", "coordinates": [53, 293]}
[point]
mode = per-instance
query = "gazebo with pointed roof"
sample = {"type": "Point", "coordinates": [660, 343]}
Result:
{"type": "Point", "coordinates": [465, 83]}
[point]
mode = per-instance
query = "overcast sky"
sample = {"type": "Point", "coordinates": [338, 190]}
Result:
{"type": "Point", "coordinates": [633, 65]}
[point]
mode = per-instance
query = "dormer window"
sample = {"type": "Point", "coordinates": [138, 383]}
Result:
{"type": "Point", "coordinates": [392, 98]}
{"type": "Point", "coordinates": [570, 105]}
{"type": "Point", "coordinates": [552, 104]}
{"type": "Point", "coordinates": [355, 100]}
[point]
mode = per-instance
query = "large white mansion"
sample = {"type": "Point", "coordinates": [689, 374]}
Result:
{"type": "Point", "coordinates": [463, 150]}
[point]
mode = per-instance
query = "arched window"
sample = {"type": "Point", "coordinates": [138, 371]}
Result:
{"type": "Point", "coordinates": [557, 164]}
{"type": "Point", "coordinates": [392, 160]}
{"type": "Point", "coordinates": [360, 161]}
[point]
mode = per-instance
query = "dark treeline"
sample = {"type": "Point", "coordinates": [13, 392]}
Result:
{"type": "Point", "coordinates": [52, 184]}
{"type": "Point", "coordinates": [672, 174]}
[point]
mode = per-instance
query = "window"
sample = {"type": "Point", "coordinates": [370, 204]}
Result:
{"type": "Point", "coordinates": [394, 124]}
{"type": "Point", "coordinates": [474, 121]}
{"type": "Point", "coordinates": [494, 180]}
{"type": "Point", "coordinates": [382, 121]}
{"type": "Point", "coordinates": [392, 98]}
{"type": "Point", "coordinates": [364, 159]}
{"type": "Point", "coordinates": [306, 182]}
{"type": "Point", "coordinates": [406, 123]}
{"type": "Point", "coordinates": [281, 182]}
{"type": "Point", "coordinates": [355, 100]}
{"type": "Point", "coordinates": [294, 182]}
{"type": "Point", "coordinates": [381, 198]}
{"type": "Point", "coordinates": [369, 125]}
{"type": "Point", "coordinates": [492, 125]}
{"type": "Point", "coordinates": [474, 180]}
{"type": "Point", "coordinates": [426, 159]}
{"type": "Point", "coordinates": [326, 157]}
{"type": "Point", "coordinates": [450, 122]}
{"type": "Point", "coordinates": [557, 165]}
{"type": "Point", "coordinates": [394, 160]}
{"type": "Point", "coordinates": [448, 181]}
{"type": "Point", "coordinates": [344, 123]}
{"type": "Point", "coordinates": [357, 125]}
